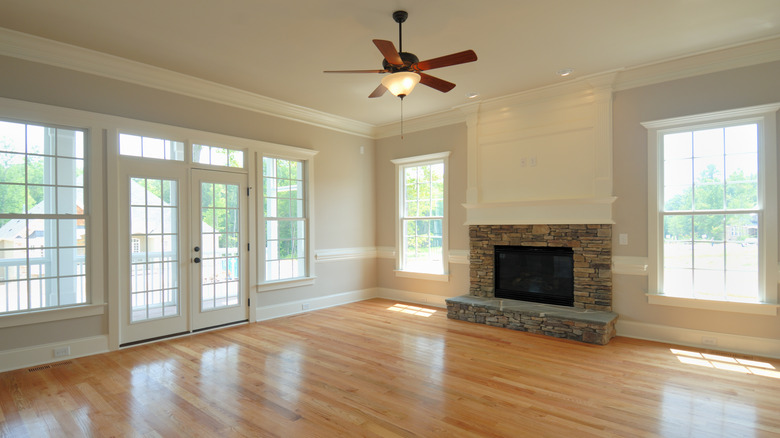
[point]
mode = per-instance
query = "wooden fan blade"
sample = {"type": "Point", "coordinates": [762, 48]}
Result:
{"type": "Point", "coordinates": [380, 90]}
{"type": "Point", "coordinates": [388, 51]}
{"type": "Point", "coordinates": [447, 60]}
{"type": "Point", "coordinates": [355, 71]}
{"type": "Point", "coordinates": [436, 83]}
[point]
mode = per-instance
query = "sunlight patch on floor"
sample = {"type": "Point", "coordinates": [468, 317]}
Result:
{"type": "Point", "coordinates": [745, 366]}
{"type": "Point", "coordinates": [412, 310]}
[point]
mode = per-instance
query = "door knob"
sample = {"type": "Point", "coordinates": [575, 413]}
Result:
{"type": "Point", "coordinates": [196, 260]}
{"type": "Point", "coordinates": [196, 249]}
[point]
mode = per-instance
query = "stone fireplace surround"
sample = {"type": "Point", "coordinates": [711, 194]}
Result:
{"type": "Point", "coordinates": [589, 320]}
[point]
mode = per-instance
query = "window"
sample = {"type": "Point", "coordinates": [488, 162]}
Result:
{"type": "Point", "coordinates": [422, 212]}
{"type": "Point", "coordinates": [148, 147]}
{"type": "Point", "coordinates": [43, 222]}
{"type": "Point", "coordinates": [714, 197]}
{"type": "Point", "coordinates": [154, 260]}
{"type": "Point", "coordinates": [217, 156]}
{"type": "Point", "coordinates": [284, 210]}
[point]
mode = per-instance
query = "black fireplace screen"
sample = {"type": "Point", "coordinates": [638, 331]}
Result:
{"type": "Point", "coordinates": [538, 274]}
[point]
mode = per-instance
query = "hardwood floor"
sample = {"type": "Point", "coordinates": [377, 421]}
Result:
{"type": "Point", "coordinates": [375, 369]}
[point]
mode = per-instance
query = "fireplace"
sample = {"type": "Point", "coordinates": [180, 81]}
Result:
{"type": "Point", "coordinates": [591, 245]}
{"type": "Point", "coordinates": [582, 250]}
{"type": "Point", "coordinates": [538, 274]}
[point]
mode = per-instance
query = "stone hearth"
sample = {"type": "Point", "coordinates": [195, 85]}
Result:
{"type": "Point", "coordinates": [590, 326]}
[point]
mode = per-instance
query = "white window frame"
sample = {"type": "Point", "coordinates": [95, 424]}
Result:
{"type": "Point", "coordinates": [307, 158]}
{"type": "Point", "coordinates": [765, 118]}
{"type": "Point", "coordinates": [401, 164]}
{"type": "Point", "coordinates": [32, 113]}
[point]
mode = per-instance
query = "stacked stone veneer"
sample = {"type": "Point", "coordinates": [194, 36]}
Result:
{"type": "Point", "coordinates": [593, 327]}
{"type": "Point", "coordinates": [592, 246]}
{"type": "Point", "coordinates": [591, 318]}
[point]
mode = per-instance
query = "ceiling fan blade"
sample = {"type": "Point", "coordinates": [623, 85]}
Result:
{"type": "Point", "coordinates": [388, 51]}
{"type": "Point", "coordinates": [436, 83]}
{"type": "Point", "coordinates": [448, 60]}
{"type": "Point", "coordinates": [380, 90]}
{"type": "Point", "coordinates": [355, 71]}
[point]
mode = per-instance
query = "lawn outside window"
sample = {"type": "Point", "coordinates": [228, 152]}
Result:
{"type": "Point", "coordinates": [713, 208]}
{"type": "Point", "coordinates": [422, 246]}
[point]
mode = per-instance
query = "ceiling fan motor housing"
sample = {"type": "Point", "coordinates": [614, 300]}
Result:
{"type": "Point", "coordinates": [409, 59]}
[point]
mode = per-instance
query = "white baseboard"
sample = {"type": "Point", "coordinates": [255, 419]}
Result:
{"type": "Point", "coordinates": [41, 354]}
{"type": "Point", "coordinates": [294, 307]}
{"type": "Point", "coordinates": [694, 338]}
{"type": "Point", "coordinates": [412, 297]}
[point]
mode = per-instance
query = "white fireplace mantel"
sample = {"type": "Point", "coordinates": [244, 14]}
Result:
{"type": "Point", "coordinates": [553, 211]}
{"type": "Point", "coordinates": [543, 157]}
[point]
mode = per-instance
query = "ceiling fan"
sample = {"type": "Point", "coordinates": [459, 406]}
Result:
{"type": "Point", "coordinates": [406, 70]}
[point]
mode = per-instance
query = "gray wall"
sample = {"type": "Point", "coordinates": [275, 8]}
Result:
{"type": "Point", "coordinates": [449, 138]}
{"type": "Point", "coordinates": [343, 176]}
{"type": "Point", "coordinates": [726, 90]}
{"type": "Point", "coordinates": [354, 192]}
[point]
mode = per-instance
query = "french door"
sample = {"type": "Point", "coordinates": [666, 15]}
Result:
{"type": "Point", "coordinates": [184, 267]}
{"type": "Point", "coordinates": [219, 248]}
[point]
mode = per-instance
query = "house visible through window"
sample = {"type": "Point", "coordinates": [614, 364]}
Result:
{"type": "Point", "coordinates": [43, 225]}
{"type": "Point", "coordinates": [284, 210]}
{"type": "Point", "coordinates": [422, 206]}
{"type": "Point", "coordinates": [715, 210]}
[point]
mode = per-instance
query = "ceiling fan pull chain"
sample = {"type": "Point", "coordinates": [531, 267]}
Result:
{"type": "Point", "coordinates": [402, 119]}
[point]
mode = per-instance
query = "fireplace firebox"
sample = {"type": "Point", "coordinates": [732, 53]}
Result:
{"type": "Point", "coordinates": [538, 274]}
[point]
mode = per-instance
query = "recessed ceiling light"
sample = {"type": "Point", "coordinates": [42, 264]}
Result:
{"type": "Point", "coordinates": [565, 72]}
{"type": "Point", "coordinates": [472, 95]}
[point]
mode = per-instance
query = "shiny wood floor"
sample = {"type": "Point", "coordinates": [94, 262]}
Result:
{"type": "Point", "coordinates": [376, 369]}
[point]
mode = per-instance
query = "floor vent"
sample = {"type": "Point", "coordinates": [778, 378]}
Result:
{"type": "Point", "coordinates": [42, 367]}
{"type": "Point", "coordinates": [46, 367]}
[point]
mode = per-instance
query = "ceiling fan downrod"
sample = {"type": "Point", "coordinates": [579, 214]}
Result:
{"type": "Point", "coordinates": [400, 17]}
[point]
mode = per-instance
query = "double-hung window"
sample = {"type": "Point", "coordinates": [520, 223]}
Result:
{"type": "Point", "coordinates": [285, 215]}
{"type": "Point", "coordinates": [713, 206]}
{"type": "Point", "coordinates": [43, 221]}
{"type": "Point", "coordinates": [422, 214]}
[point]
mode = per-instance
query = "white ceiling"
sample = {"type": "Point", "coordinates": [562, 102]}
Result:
{"type": "Point", "coordinates": [279, 48]}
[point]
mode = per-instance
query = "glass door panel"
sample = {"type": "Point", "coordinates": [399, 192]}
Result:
{"type": "Point", "coordinates": [219, 236]}
{"type": "Point", "coordinates": [154, 260]}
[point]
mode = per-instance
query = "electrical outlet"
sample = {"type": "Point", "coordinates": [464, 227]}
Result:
{"type": "Point", "coordinates": [305, 306]}
{"type": "Point", "coordinates": [709, 340]}
{"type": "Point", "coordinates": [62, 351]}
{"type": "Point", "coordinates": [532, 161]}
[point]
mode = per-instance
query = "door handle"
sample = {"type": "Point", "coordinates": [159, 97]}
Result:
{"type": "Point", "coordinates": [196, 249]}
{"type": "Point", "coordinates": [196, 260]}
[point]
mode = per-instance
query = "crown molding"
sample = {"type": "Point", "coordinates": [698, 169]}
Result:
{"type": "Point", "coordinates": [41, 50]}
{"type": "Point", "coordinates": [712, 61]}
{"type": "Point", "coordinates": [44, 51]}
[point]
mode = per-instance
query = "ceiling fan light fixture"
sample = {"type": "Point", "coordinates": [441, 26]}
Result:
{"type": "Point", "coordinates": [401, 83]}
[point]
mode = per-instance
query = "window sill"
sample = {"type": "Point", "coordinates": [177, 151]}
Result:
{"type": "Point", "coordinates": [49, 315]}
{"type": "Point", "coordinates": [766, 309]}
{"type": "Point", "coordinates": [284, 284]}
{"type": "Point", "coordinates": [423, 276]}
